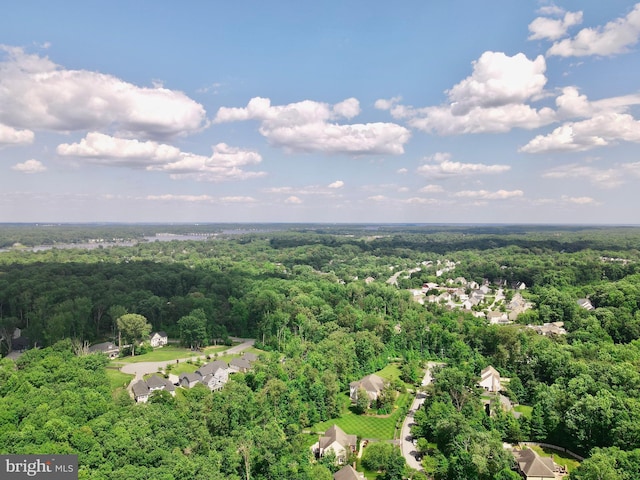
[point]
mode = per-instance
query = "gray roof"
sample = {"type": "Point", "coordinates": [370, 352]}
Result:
{"type": "Point", "coordinates": [533, 465]}
{"type": "Point", "coordinates": [161, 333]}
{"type": "Point", "coordinates": [371, 383]}
{"type": "Point", "coordinates": [209, 368]}
{"type": "Point", "coordinates": [140, 388]}
{"type": "Point", "coordinates": [348, 473]}
{"type": "Point", "coordinates": [336, 434]}
{"type": "Point", "coordinates": [191, 377]}
{"type": "Point", "coordinates": [240, 363]}
{"type": "Point", "coordinates": [103, 347]}
{"type": "Point", "coordinates": [251, 357]}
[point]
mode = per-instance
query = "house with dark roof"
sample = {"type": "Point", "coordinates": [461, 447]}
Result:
{"type": "Point", "coordinates": [189, 380]}
{"type": "Point", "coordinates": [348, 473]}
{"type": "Point", "coordinates": [534, 467]}
{"type": "Point", "coordinates": [372, 384]}
{"type": "Point", "coordinates": [108, 348]}
{"type": "Point", "coordinates": [158, 339]}
{"type": "Point", "coordinates": [140, 391]}
{"type": "Point", "coordinates": [156, 383]}
{"type": "Point", "coordinates": [239, 364]}
{"type": "Point", "coordinates": [335, 439]}
{"type": "Point", "coordinates": [250, 357]}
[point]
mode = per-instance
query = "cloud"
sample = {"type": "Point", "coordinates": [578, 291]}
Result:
{"type": "Point", "coordinates": [225, 163]}
{"type": "Point", "coordinates": [30, 166]}
{"type": "Point", "coordinates": [36, 93]}
{"type": "Point", "coordinates": [579, 200]}
{"type": "Point", "coordinates": [491, 99]}
{"type": "Point", "coordinates": [432, 189]}
{"type": "Point", "coordinates": [599, 131]}
{"type": "Point", "coordinates": [293, 200]}
{"type": "Point", "coordinates": [603, 178]}
{"type": "Point", "coordinates": [377, 198]}
{"type": "Point", "coordinates": [402, 171]}
{"type": "Point", "coordinates": [314, 190]}
{"type": "Point", "coordinates": [238, 199]}
{"type": "Point", "coordinates": [440, 166]}
{"type": "Point", "coordinates": [615, 37]}
{"type": "Point", "coordinates": [309, 126]}
{"type": "Point", "coordinates": [337, 184]}
{"type": "Point", "coordinates": [544, 28]}
{"type": "Point", "coordinates": [487, 195]}
{"type": "Point", "coordinates": [168, 197]}
{"type": "Point", "coordinates": [12, 136]}
{"type": "Point", "coordinates": [105, 149]}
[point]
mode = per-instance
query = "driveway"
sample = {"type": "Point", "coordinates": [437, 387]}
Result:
{"type": "Point", "coordinates": [144, 368]}
{"type": "Point", "coordinates": [406, 440]}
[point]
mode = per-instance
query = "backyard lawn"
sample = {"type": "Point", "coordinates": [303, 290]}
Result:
{"type": "Point", "coordinates": [368, 426]}
{"type": "Point", "coordinates": [525, 410]}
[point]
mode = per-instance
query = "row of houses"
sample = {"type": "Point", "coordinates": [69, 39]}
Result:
{"type": "Point", "coordinates": [213, 375]}
{"type": "Point", "coordinates": [156, 340]}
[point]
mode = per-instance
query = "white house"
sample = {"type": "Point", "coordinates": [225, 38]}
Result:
{"type": "Point", "coordinates": [335, 439]}
{"type": "Point", "coordinates": [158, 339]}
{"type": "Point", "coordinates": [490, 379]}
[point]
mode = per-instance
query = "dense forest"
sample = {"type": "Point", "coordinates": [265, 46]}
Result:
{"type": "Point", "coordinates": [319, 297]}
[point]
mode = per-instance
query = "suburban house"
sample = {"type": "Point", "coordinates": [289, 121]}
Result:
{"type": "Point", "coordinates": [240, 365]}
{"type": "Point", "coordinates": [190, 380]}
{"type": "Point", "coordinates": [548, 329]}
{"type": "Point", "coordinates": [155, 382]}
{"type": "Point", "coordinates": [490, 379]}
{"type": "Point", "coordinates": [348, 473]}
{"type": "Point", "coordinates": [158, 339]}
{"type": "Point", "coordinates": [140, 391]}
{"type": "Point", "coordinates": [108, 348]}
{"type": "Point", "coordinates": [497, 318]}
{"type": "Point", "coordinates": [373, 385]}
{"type": "Point", "coordinates": [214, 374]}
{"type": "Point", "coordinates": [335, 439]}
{"type": "Point", "coordinates": [585, 303]}
{"type": "Point", "coordinates": [534, 467]}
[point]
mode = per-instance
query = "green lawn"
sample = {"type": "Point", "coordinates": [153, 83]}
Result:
{"type": "Point", "coordinates": [117, 379]}
{"type": "Point", "coordinates": [367, 426]}
{"type": "Point", "coordinates": [169, 352]}
{"type": "Point", "coordinates": [525, 410]}
{"type": "Point", "coordinates": [560, 458]}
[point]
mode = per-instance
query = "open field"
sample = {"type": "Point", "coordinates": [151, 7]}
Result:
{"type": "Point", "coordinates": [169, 352]}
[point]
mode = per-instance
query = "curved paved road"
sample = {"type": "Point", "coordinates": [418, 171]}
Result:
{"type": "Point", "coordinates": [406, 440]}
{"type": "Point", "coordinates": [143, 368]}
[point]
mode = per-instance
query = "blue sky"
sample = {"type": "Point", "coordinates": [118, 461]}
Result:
{"type": "Point", "coordinates": [358, 111]}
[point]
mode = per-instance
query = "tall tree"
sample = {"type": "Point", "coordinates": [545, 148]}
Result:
{"type": "Point", "coordinates": [193, 328]}
{"type": "Point", "coordinates": [133, 327]}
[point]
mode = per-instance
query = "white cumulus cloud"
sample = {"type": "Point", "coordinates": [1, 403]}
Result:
{"type": "Point", "coordinates": [488, 195]}
{"type": "Point", "coordinates": [492, 99]}
{"type": "Point", "coordinates": [310, 126]}
{"type": "Point", "coordinates": [30, 166]}
{"type": "Point", "coordinates": [36, 93]}
{"type": "Point", "coordinates": [440, 165]}
{"type": "Point", "coordinates": [545, 28]}
{"type": "Point", "coordinates": [293, 200]}
{"type": "Point", "coordinates": [13, 136]}
{"type": "Point", "coordinates": [225, 163]}
{"type": "Point", "coordinates": [337, 184]}
{"type": "Point", "coordinates": [615, 37]}
{"type": "Point", "coordinates": [599, 177]}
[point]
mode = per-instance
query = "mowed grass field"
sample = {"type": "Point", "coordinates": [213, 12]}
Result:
{"type": "Point", "coordinates": [169, 352]}
{"type": "Point", "coordinates": [375, 427]}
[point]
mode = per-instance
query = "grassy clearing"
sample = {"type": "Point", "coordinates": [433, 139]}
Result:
{"type": "Point", "coordinates": [368, 426]}
{"type": "Point", "coordinates": [560, 458]}
{"type": "Point", "coordinates": [183, 367]}
{"type": "Point", "coordinates": [117, 380]}
{"type": "Point", "coordinates": [168, 353]}
{"type": "Point", "coordinates": [525, 410]}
